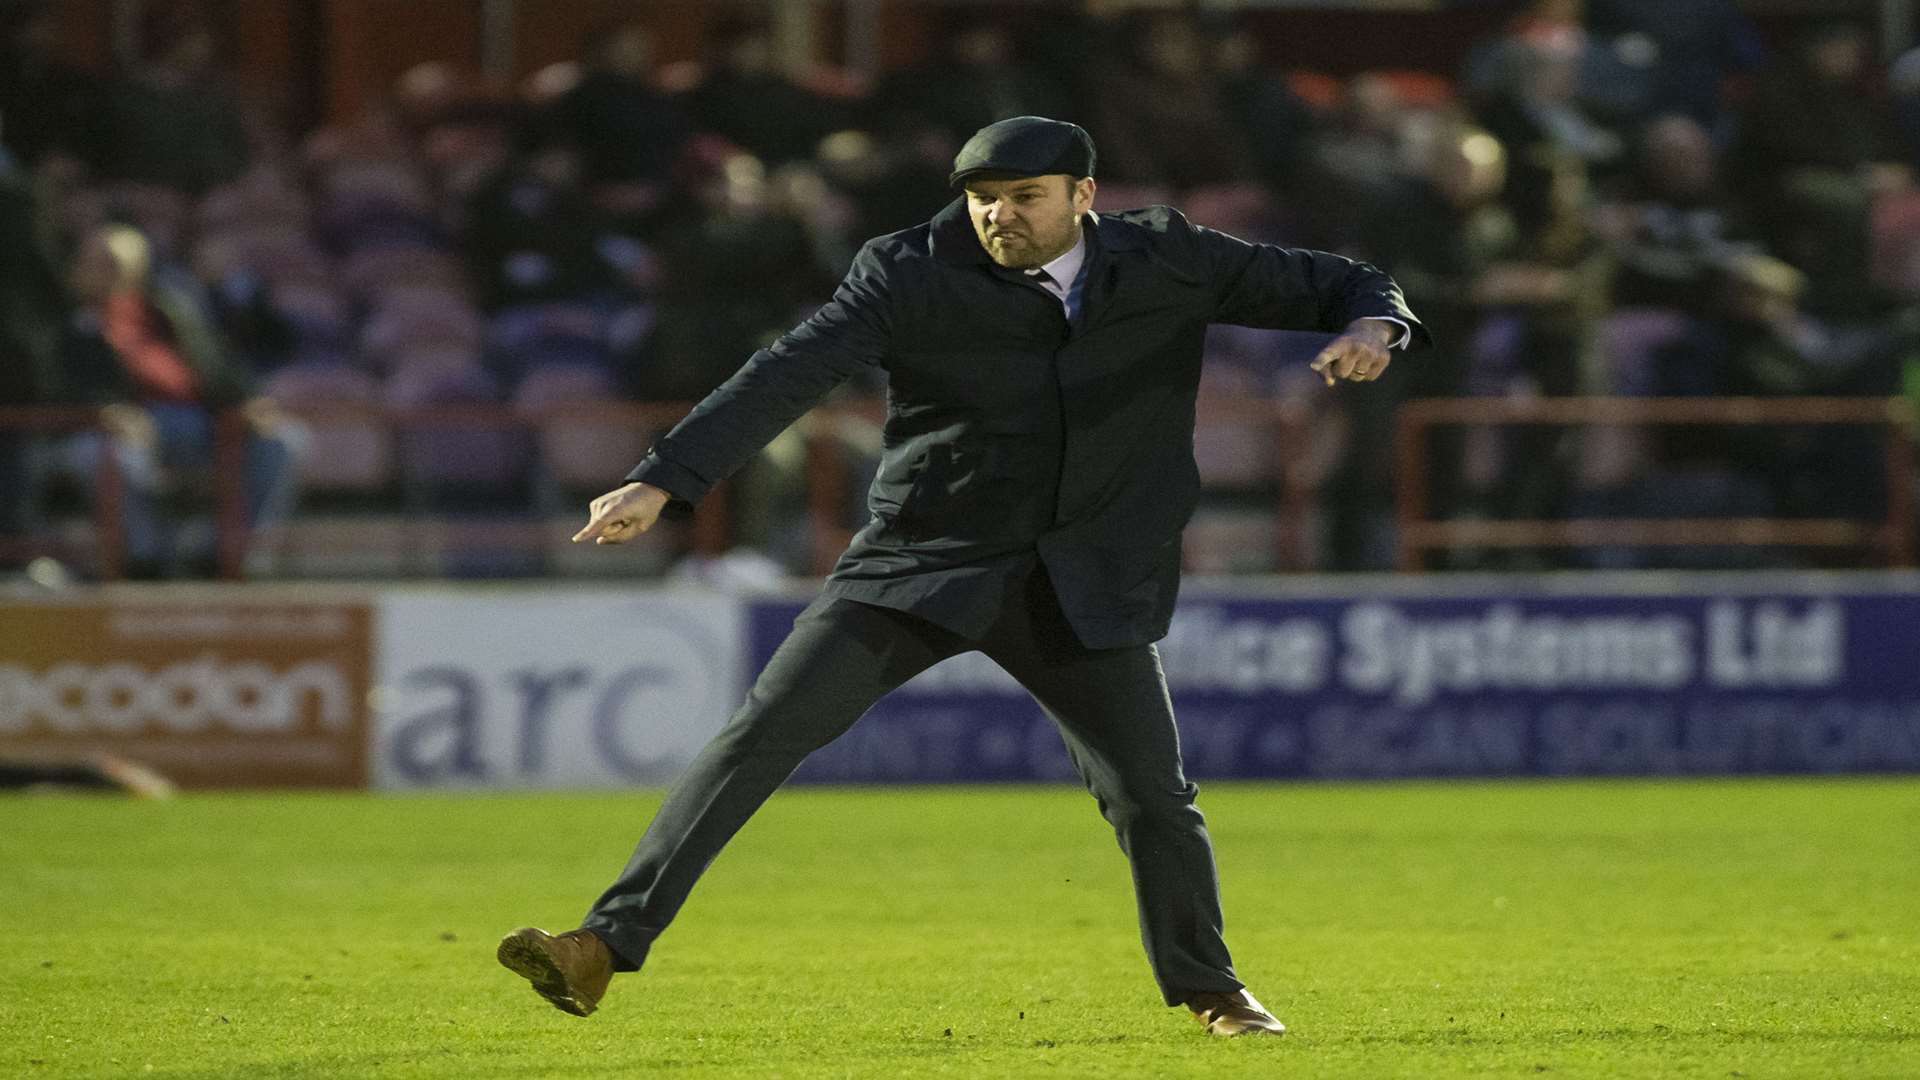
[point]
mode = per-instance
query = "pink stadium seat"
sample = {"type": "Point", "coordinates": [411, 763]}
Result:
{"type": "Point", "coordinates": [318, 313]}
{"type": "Point", "coordinates": [348, 454]}
{"type": "Point", "coordinates": [277, 252]}
{"type": "Point", "coordinates": [547, 335]}
{"type": "Point", "coordinates": [579, 453]}
{"type": "Point", "coordinates": [459, 459]}
{"type": "Point", "coordinates": [388, 182]}
{"type": "Point", "coordinates": [412, 319]}
{"type": "Point", "coordinates": [264, 196]}
{"type": "Point", "coordinates": [374, 271]}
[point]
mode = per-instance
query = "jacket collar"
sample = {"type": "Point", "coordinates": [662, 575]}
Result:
{"type": "Point", "coordinates": [951, 238]}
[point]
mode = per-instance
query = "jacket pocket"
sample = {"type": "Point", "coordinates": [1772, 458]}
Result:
{"type": "Point", "coordinates": [976, 489]}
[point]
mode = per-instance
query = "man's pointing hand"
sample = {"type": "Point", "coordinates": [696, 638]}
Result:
{"type": "Point", "coordinates": [1360, 354]}
{"type": "Point", "coordinates": [623, 513]}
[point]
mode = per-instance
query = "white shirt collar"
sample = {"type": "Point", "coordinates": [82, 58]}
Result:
{"type": "Point", "coordinates": [1065, 268]}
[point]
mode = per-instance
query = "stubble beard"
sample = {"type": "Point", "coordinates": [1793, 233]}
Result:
{"type": "Point", "coordinates": [1021, 253]}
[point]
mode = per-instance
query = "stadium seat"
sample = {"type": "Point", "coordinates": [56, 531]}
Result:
{"type": "Point", "coordinates": [547, 335]}
{"type": "Point", "coordinates": [347, 454]}
{"type": "Point", "coordinates": [578, 454]}
{"type": "Point", "coordinates": [449, 466]}
{"type": "Point", "coordinates": [410, 319]}
{"type": "Point", "coordinates": [317, 313]}
{"type": "Point", "coordinates": [372, 272]}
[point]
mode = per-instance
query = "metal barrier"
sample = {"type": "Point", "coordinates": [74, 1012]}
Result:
{"type": "Point", "coordinates": [831, 502]}
{"type": "Point", "coordinates": [1893, 536]}
{"type": "Point", "coordinates": [108, 496]}
{"type": "Point", "coordinates": [710, 527]}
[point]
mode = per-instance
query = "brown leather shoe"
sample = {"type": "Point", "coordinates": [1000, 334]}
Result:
{"type": "Point", "coordinates": [571, 970]}
{"type": "Point", "coordinates": [1238, 1013]}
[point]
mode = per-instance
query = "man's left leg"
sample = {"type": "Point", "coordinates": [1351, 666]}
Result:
{"type": "Point", "coordinates": [1112, 708]}
{"type": "Point", "coordinates": [1116, 717]}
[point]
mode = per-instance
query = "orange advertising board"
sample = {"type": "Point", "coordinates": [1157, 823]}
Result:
{"type": "Point", "coordinates": [210, 694]}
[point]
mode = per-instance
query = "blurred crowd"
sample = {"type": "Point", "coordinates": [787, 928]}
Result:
{"type": "Point", "coordinates": [1626, 197]}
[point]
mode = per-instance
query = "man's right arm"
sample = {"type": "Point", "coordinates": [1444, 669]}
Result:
{"type": "Point", "coordinates": [774, 388]}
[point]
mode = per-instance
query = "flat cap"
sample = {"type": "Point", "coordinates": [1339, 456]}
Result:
{"type": "Point", "coordinates": [1024, 146]}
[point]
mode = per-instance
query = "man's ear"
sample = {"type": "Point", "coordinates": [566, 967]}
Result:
{"type": "Point", "coordinates": [1082, 194]}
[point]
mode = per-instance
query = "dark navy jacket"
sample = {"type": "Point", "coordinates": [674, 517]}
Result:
{"type": "Point", "coordinates": [1011, 432]}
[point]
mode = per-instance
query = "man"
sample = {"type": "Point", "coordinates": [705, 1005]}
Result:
{"type": "Point", "coordinates": [141, 345]}
{"type": "Point", "coordinates": [1043, 363]}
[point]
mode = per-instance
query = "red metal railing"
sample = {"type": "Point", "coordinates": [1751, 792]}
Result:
{"type": "Point", "coordinates": [108, 506]}
{"type": "Point", "coordinates": [711, 527]}
{"type": "Point", "coordinates": [1892, 536]}
{"type": "Point", "coordinates": [831, 501]}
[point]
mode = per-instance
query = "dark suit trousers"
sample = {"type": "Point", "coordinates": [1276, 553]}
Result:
{"type": "Point", "coordinates": [1111, 706]}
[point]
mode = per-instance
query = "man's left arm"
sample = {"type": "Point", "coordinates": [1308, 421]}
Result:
{"type": "Point", "coordinates": [1281, 288]}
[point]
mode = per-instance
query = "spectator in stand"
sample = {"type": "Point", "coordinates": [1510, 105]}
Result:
{"type": "Point", "coordinates": [32, 309]}
{"type": "Point", "coordinates": [141, 347]}
{"type": "Point", "coordinates": [627, 132]}
{"type": "Point", "coordinates": [170, 121]}
{"type": "Point", "coordinates": [1160, 113]}
{"type": "Point", "coordinates": [744, 98]}
{"type": "Point", "coordinates": [52, 108]}
{"type": "Point", "coordinates": [1280, 127]}
{"type": "Point", "coordinates": [1611, 84]}
{"type": "Point", "coordinates": [1445, 236]}
{"type": "Point", "coordinates": [532, 234]}
{"type": "Point", "coordinates": [885, 183]}
{"type": "Point", "coordinates": [1814, 150]}
{"type": "Point", "coordinates": [742, 265]}
{"type": "Point", "coordinates": [1538, 117]}
{"type": "Point", "coordinates": [1687, 50]}
{"type": "Point", "coordinates": [1677, 228]}
{"type": "Point", "coordinates": [1358, 161]}
{"type": "Point", "coordinates": [1538, 303]}
{"type": "Point", "coordinates": [977, 78]}
{"type": "Point", "coordinates": [1761, 341]}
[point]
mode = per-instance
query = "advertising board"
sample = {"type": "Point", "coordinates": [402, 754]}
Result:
{"type": "Point", "coordinates": [1419, 681]}
{"type": "Point", "coordinates": [549, 688]}
{"type": "Point", "coordinates": [210, 693]}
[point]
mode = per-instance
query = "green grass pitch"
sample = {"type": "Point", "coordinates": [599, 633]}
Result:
{"type": "Point", "coordinates": [1634, 929]}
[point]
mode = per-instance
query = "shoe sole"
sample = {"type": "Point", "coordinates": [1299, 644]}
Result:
{"type": "Point", "coordinates": [523, 953]}
{"type": "Point", "coordinates": [1220, 1031]}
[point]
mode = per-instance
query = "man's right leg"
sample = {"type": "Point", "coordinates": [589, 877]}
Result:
{"type": "Point", "coordinates": [841, 658]}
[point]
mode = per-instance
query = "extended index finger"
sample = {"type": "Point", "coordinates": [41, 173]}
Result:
{"type": "Point", "coordinates": [596, 525]}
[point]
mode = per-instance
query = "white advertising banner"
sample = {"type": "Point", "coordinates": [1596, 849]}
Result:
{"type": "Point", "coordinates": [550, 689]}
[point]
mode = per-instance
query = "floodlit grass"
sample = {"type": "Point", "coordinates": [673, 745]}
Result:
{"type": "Point", "coordinates": [1734, 929]}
